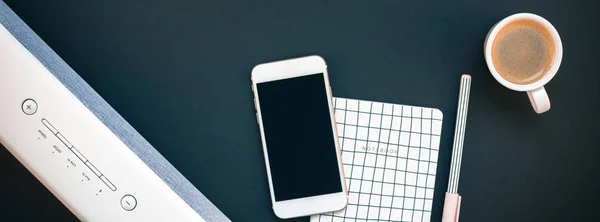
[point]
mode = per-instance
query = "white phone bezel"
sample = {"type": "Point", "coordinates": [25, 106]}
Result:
{"type": "Point", "coordinates": [289, 69]}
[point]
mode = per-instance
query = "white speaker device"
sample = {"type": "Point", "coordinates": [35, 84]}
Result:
{"type": "Point", "coordinates": [71, 140]}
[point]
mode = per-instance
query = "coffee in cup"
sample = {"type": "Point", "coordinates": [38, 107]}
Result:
{"type": "Point", "coordinates": [523, 52]}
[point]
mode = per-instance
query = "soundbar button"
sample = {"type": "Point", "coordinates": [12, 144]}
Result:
{"type": "Point", "coordinates": [29, 107]}
{"type": "Point", "coordinates": [128, 202]}
{"type": "Point", "coordinates": [78, 154]}
{"type": "Point", "coordinates": [93, 168]}
{"type": "Point", "coordinates": [49, 126]}
{"type": "Point", "coordinates": [108, 183]}
{"type": "Point", "coordinates": [64, 140]}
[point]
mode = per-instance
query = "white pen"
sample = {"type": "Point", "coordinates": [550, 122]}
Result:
{"type": "Point", "coordinates": [452, 202]}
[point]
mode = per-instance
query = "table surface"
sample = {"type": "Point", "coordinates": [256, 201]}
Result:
{"type": "Point", "coordinates": [179, 72]}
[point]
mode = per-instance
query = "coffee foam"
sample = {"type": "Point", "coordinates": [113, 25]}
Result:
{"type": "Point", "coordinates": [523, 51]}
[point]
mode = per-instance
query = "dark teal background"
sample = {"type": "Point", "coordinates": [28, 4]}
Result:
{"type": "Point", "coordinates": [179, 72]}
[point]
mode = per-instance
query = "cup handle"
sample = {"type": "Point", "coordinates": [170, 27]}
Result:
{"type": "Point", "coordinates": [539, 100]}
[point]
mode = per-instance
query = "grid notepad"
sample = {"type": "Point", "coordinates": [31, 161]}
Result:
{"type": "Point", "coordinates": [390, 155]}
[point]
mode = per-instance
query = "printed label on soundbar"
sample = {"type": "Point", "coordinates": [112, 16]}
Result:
{"type": "Point", "coordinates": [57, 149]}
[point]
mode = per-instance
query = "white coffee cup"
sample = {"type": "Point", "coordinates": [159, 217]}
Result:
{"type": "Point", "coordinates": [536, 92]}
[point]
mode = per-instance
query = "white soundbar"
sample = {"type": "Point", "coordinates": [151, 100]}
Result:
{"type": "Point", "coordinates": [71, 152]}
{"type": "Point", "coordinates": [76, 156]}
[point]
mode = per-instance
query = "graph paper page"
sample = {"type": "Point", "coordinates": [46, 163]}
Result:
{"type": "Point", "coordinates": [390, 155]}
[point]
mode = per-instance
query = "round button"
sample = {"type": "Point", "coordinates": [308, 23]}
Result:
{"type": "Point", "coordinates": [29, 107]}
{"type": "Point", "coordinates": [128, 202]}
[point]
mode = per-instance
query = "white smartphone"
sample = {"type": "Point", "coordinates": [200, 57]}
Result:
{"type": "Point", "coordinates": [297, 126]}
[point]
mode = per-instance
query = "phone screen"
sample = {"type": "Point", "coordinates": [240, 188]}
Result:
{"type": "Point", "coordinates": [299, 137]}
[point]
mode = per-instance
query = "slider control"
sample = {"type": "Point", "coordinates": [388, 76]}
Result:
{"type": "Point", "coordinates": [78, 154]}
{"type": "Point", "coordinates": [108, 183]}
{"type": "Point", "coordinates": [64, 140]}
{"type": "Point", "coordinates": [49, 126]}
{"type": "Point", "coordinates": [83, 159]}
{"type": "Point", "coordinates": [93, 168]}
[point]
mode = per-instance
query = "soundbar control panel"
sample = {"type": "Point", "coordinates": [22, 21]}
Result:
{"type": "Point", "coordinates": [65, 146]}
{"type": "Point", "coordinates": [82, 160]}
